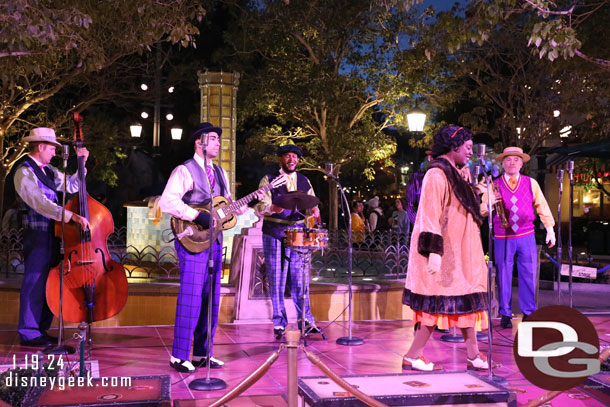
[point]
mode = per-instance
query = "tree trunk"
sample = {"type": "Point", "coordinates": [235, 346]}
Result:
{"type": "Point", "coordinates": [333, 202]}
{"type": "Point", "coordinates": [3, 174]}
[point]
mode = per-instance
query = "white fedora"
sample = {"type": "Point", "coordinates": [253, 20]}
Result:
{"type": "Point", "coordinates": [508, 151]}
{"type": "Point", "coordinates": [42, 134]}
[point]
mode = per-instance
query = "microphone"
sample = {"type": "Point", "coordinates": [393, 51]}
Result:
{"type": "Point", "coordinates": [560, 178]}
{"type": "Point", "coordinates": [204, 140]}
{"type": "Point", "coordinates": [328, 169]}
{"type": "Point", "coordinates": [570, 168]}
{"type": "Point", "coordinates": [65, 153]}
{"type": "Point", "coordinates": [475, 174]}
{"type": "Point", "coordinates": [480, 151]}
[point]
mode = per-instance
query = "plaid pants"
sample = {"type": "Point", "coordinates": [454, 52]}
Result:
{"type": "Point", "coordinates": [299, 289]}
{"type": "Point", "coordinates": [192, 306]}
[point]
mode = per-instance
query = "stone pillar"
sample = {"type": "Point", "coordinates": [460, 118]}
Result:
{"type": "Point", "coordinates": [219, 107]}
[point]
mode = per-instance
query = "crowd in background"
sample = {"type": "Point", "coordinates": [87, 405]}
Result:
{"type": "Point", "coordinates": [375, 215]}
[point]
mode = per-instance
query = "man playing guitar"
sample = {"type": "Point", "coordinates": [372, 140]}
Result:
{"type": "Point", "coordinates": [187, 186]}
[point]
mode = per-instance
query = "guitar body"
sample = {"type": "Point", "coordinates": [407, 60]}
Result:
{"type": "Point", "coordinates": [196, 239]}
{"type": "Point", "coordinates": [199, 240]}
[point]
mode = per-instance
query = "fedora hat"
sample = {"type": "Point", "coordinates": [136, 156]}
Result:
{"type": "Point", "coordinates": [42, 134]}
{"type": "Point", "coordinates": [517, 151]}
{"type": "Point", "coordinates": [204, 128]}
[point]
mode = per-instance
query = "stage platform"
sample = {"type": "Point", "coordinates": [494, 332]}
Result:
{"type": "Point", "coordinates": [145, 351]}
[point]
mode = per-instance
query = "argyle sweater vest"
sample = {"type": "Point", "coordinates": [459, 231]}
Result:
{"type": "Point", "coordinates": [519, 204]}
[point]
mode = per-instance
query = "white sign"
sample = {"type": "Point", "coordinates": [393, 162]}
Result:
{"type": "Point", "coordinates": [579, 271]}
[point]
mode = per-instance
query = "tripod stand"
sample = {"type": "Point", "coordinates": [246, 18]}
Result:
{"type": "Point", "coordinates": [304, 254]}
{"type": "Point", "coordinates": [348, 340]}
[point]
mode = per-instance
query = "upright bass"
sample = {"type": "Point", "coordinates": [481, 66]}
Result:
{"type": "Point", "coordinates": [95, 286]}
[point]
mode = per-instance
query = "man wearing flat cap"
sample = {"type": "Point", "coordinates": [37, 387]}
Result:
{"type": "Point", "coordinates": [521, 196]}
{"type": "Point", "coordinates": [275, 222]}
{"type": "Point", "coordinates": [36, 184]}
{"type": "Point", "coordinates": [189, 184]}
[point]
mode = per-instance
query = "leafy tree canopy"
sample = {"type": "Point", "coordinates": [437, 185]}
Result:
{"type": "Point", "coordinates": [322, 75]}
{"type": "Point", "coordinates": [69, 52]}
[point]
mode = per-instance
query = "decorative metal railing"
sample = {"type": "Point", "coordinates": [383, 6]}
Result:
{"type": "Point", "coordinates": [378, 255]}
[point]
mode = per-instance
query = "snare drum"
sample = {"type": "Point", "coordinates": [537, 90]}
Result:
{"type": "Point", "coordinates": [299, 238]}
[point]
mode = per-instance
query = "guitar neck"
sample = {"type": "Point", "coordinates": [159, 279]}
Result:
{"type": "Point", "coordinates": [235, 205]}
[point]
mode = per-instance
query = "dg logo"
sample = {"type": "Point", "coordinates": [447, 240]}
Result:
{"type": "Point", "coordinates": [557, 348]}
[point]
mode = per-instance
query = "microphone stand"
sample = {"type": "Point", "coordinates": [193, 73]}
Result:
{"type": "Point", "coordinates": [348, 340]}
{"type": "Point", "coordinates": [559, 243]}
{"type": "Point", "coordinates": [453, 336]}
{"type": "Point", "coordinates": [571, 213]}
{"type": "Point", "coordinates": [60, 348]}
{"type": "Point", "coordinates": [490, 266]}
{"type": "Point", "coordinates": [209, 383]}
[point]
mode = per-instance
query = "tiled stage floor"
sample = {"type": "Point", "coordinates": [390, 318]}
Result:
{"type": "Point", "coordinates": [131, 351]}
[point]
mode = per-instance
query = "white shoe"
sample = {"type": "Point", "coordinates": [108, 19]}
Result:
{"type": "Point", "coordinates": [478, 363]}
{"type": "Point", "coordinates": [200, 361]}
{"type": "Point", "coordinates": [183, 366]}
{"type": "Point", "coordinates": [420, 363]}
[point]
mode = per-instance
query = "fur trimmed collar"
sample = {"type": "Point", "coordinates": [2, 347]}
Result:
{"type": "Point", "coordinates": [462, 189]}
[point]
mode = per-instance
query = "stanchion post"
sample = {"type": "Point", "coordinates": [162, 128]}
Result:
{"type": "Point", "coordinates": [292, 343]}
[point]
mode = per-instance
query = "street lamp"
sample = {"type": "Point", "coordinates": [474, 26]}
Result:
{"type": "Point", "coordinates": [416, 119]}
{"type": "Point", "coordinates": [176, 133]}
{"type": "Point", "coordinates": [135, 130]}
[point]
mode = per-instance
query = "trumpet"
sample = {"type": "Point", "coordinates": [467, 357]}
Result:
{"type": "Point", "coordinates": [499, 205]}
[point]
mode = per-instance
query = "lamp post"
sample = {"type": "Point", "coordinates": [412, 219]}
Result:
{"type": "Point", "coordinates": [135, 130]}
{"type": "Point", "coordinates": [416, 119]}
{"type": "Point", "coordinates": [176, 133]}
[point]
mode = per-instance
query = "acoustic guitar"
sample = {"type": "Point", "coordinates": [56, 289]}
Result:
{"type": "Point", "coordinates": [196, 239]}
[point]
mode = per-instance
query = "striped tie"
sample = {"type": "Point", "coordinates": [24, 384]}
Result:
{"type": "Point", "coordinates": [210, 171]}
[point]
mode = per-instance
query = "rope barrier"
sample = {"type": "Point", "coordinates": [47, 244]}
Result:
{"type": "Point", "coordinates": [250, 380]}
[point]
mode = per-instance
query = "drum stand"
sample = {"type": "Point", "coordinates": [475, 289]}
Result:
{"type": "Point", "coordinates": [305, 256]}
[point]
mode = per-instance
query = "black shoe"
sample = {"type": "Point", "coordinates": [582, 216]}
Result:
{"type": "Point", "coordinates": [279, 332]}
{"type": "Point", "coordinates": [182, 366]}
{"type": "Point", "coordinates": [214, 363]}
{"type": "Point", "coordinates": [505, 322]}
{"type": "Point", "coordinates": [40, 342]}
{"type": "Point", "coordinates": [52, 339]}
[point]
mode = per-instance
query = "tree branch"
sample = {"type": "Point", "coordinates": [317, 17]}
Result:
{"type": "Point", "coordinates": [310, 51]}
{"type": "Point", "coordinates": [601, 62]}
{"type": "Point", "coordinates": [563, 13]}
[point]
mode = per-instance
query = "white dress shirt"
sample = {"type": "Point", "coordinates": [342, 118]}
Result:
{"type": "Point", "coordinates": [179, 183]}
{"type": "Point", "coordinates": [26, 186]}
